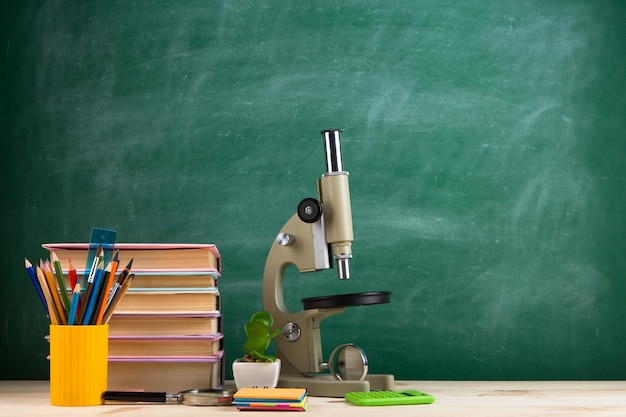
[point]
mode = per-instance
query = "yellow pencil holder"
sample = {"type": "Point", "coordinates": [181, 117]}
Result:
{"type": "Point", "coordinates": [78, 364]}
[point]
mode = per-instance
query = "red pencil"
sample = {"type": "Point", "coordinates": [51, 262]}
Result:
{"type": "Point", "coordinates": [73, 276]}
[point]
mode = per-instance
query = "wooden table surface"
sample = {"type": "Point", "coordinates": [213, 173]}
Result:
{"type": "Point", "coordinates": [452, 398]}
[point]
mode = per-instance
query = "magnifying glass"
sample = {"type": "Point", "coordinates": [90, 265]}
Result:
{"type": "Point", "coordinates": [198, 397]}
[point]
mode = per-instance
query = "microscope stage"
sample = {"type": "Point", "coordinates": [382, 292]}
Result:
{"type": "Point", "coordinates": [346, 300]}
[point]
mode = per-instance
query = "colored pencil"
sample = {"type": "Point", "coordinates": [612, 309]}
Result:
{"type": "Point", "coordinates": [71, 318]}
{"type": "Point", "coordinates": [52, 310]}
{"type": "Point", "coordinates": [45, 267]}
{"type": "Point", "coordinates": [72, 274]}
{"type": "Point", "coordinates": [33, 278]}
{"type": "Point", "coordinates": [61, 281]}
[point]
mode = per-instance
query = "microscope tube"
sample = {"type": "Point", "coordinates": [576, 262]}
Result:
{"type": "Point", "coordinates": [335, 195]}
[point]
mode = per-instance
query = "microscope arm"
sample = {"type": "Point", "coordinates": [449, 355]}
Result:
{"type": "Point", "coordinates": [303, 245]}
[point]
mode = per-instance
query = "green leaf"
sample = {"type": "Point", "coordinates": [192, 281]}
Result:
{"type": "Point", "coordinates": [256, 344]}
{"type": "Point", "coordinates": [264, 317]}
{"type": "Point", "coordinates": [256, 329]}
{"type": "Point", "coordinates": [274, 334]}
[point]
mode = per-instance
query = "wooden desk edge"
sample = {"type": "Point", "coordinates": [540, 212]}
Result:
{"type": "Point", "coordinates": [452, 398]}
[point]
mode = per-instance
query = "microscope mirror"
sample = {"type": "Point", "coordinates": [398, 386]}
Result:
{"type": "Point", "coordinates": [348, 363]}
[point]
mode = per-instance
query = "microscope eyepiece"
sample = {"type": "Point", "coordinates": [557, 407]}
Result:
{"type": "Point", "coordinates": [332, 146]}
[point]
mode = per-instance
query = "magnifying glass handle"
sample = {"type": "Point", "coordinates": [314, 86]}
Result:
{"type": "Point", "coordinates": [151, 397]}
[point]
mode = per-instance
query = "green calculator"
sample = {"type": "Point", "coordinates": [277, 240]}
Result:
{"type": "Point", "coordinates": [405, 397]}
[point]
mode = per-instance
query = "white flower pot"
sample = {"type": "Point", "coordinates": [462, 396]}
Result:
{"type": "Point", "coordinates": [256, 374]}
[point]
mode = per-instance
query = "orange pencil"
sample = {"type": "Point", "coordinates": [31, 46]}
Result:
{"type": "Point", "coordinates": [52, 310]}
{"type": "Point", "coordinates": [54, 291]}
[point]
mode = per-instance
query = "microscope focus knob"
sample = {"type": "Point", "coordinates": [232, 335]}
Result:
{"type": "Point", "coordinates": [310, 210]}
{"type": "Point", "coordinates": [285, 239]}
{"type": "Point", "coordinates": [291, 332]}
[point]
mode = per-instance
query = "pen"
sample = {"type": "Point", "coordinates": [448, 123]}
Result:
{"type": "Point", "coordinates": [91, 295]}
{"type": "Point", "coordinates": [87, 289]}
{"type": "Point", "coordinates": [118, 297]}
{"type": "Point", "coordinates": [119, 282]}
{"type": "Point", "coordinates": [89, 274]}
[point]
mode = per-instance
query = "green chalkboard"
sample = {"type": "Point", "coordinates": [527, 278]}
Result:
{"type": "Point", "coordinates": [485, 143]}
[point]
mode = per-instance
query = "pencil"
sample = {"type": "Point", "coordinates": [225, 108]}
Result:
{"type": "Point", "coordinates": [71, 318]}
{"type": "Point", "coordinates": [33, 278]}
{"type": "Point", "coordinates": [45, 267]}
{"type": "Point", "coordinates": [61, 281]}
{"type": "Point", "coordinates": [118, 297]}
{"type": "Point", "coordinates": [72, 274]}
{"type": "Point", "coordinates": [106, 288]}
{"type": "Point", "coordinates": [52, 311]}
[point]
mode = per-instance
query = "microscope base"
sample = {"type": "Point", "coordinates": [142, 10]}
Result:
{"type": "Point", "coordinates": [327, 386]}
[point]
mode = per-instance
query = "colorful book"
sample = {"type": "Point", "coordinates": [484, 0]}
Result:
{"type": "Point", "coordinates": [146, 256]}
{"type": "Point", "coordinates": [164, 278]}
{"type": "Point", "coordinates": [169, 374]}
{"type": "Point", "coordinates": [165, 324]}
{"type": "Point", "coordinates": [188, 278]}
{"type": "Point", "coordinates": [175, 300]}
{"type": "Point", "coordinates": [158, 345]}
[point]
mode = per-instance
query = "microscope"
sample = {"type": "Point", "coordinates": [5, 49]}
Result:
{"type": "Point", "coordinates": [317, 236]}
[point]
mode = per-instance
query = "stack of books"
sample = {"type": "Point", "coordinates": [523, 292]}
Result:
{"type": "Point", "coordinates": [274, 399]}
{"type": "Point", "coordinates": [166, 332]}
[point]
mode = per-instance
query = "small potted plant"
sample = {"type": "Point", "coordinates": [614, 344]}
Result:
{"type": "Point", "coordinates": [256, 368]}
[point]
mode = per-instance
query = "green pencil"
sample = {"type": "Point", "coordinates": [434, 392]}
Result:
{"type": "Point", "coordinates": [62, 287]}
